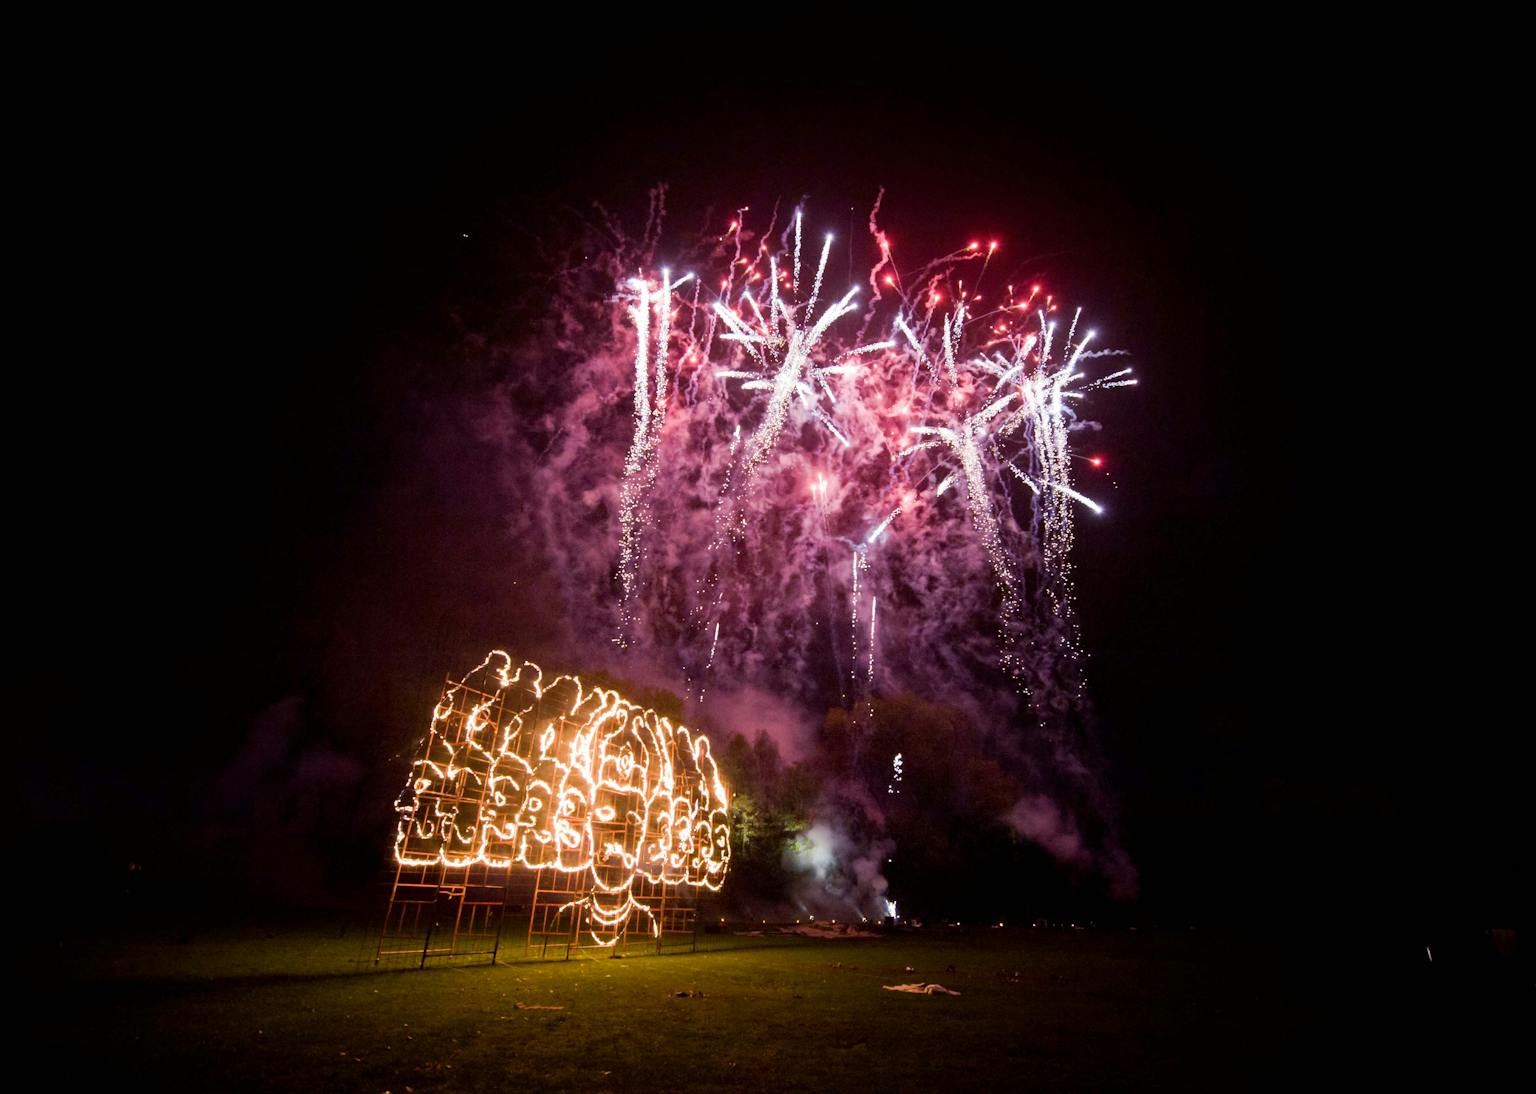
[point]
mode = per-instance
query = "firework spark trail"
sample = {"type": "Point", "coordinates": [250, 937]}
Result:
{"type": "Point", "coordinates": [859, 564]}
{"type": "Point", "coordinates": [883, 525]}
{"type": "Point", "coordinates": [713, 642]}
{"type": "Point", "coordinates": [650, 414]}
{"type": "Point", "coordinates": [1047, 418]}
{"type": "Point", "coordinates": [869, 680]}
{"type": "Point", "coordinates": [799, 218]}
{"type": "Point", "coordinates": [631, 492]}
{"type": "Point", "coordinates": [963, 440]}
{"type": "Point", "coordinates": [785, 352]}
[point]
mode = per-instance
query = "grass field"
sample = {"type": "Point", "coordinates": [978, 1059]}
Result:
{"type": "Point", "coordinates": [298, 1009]}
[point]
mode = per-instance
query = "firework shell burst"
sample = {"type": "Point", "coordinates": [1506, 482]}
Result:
{"type": "Point", "coordinates": [821, 491]}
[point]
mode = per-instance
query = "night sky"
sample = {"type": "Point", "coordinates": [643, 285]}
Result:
{"type": "Point", "coordinates": [285, 462]}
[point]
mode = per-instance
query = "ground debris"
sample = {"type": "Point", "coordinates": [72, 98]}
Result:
{"type": "Point", "coordinates": [921, 989]}
{"type": "Point", "coordinates": [840, 930]}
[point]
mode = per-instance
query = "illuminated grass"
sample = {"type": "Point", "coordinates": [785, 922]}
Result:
{"type": "Point", "coordinates": [1039, 1009]}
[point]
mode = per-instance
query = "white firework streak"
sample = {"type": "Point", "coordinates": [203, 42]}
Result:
{"type": "Point", "coordinates": [964, 443]}
{"type": "Point", "coordinates": [713, 642]}
{"type": "Point", "coordinates": [1043, 411]}
{"type": "Point", "coordinates": [650, 416]}
{"type": "Point", "coordinates": [882, 526]}
{"type": "Point", "coordinates": [860, 563]}
{"type": "Point", "coordinates": [869, 681]}
{"type": "Point", "coordinates": [795, 284]}
{"type": "Point", "coordinates": [1043, 387]}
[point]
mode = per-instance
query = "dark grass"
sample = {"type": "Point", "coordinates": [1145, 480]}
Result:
{"type": "Point", "coordinates": [289, 1009]}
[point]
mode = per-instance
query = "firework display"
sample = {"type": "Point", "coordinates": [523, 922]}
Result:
{"type": "Point", "coordinates": [777, 483]}
{"type": "Point", "coordinates": [917, 430]}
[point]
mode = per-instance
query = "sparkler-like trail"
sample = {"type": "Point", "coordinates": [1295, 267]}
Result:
{"type": "Point", "coordinates": [779, 418]}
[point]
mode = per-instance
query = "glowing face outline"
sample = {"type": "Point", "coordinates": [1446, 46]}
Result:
{"type": "Point", "coordinates": [572, 779]}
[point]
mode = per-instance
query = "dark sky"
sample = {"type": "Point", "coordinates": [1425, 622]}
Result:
{"type": "Point", "coordinates": [274, 463]}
